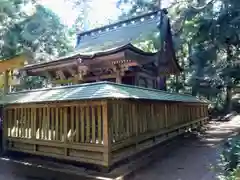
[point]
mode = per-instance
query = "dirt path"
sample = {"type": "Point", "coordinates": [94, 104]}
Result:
{"type": "Point", "coordinates": [192, 161]}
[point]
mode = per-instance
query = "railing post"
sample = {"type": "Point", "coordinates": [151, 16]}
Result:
{"type": "Point", "coordinates": [4, 131]}
{"type": "Point", "coordinates": [106, 135]}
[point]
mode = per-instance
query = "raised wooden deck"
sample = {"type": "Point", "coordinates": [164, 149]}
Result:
{"type": "Point", "coordinates": [98, 123]}
{"type": "Point", "coordinates": [97, 132]}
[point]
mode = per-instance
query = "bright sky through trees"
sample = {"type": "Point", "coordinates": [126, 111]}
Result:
{"type": "Point", "coordinates": [102, 10]}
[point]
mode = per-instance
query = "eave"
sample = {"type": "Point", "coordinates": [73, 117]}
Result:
{"type": "Point", "coordinates": [120, 55]}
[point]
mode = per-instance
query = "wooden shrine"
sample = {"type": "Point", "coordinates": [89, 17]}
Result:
{"type": "Point", "coordinates": [120, 62]}
{"type": "Point", "coordinates": [113, 108]}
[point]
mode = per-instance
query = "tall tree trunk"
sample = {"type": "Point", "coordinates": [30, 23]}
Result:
{"type": "Point", "coordinates": [228, 101]}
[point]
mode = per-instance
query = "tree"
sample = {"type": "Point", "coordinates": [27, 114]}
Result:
{"type": "Point", "coordinates": [206, 40]}
{"type": "Point", "coordinates": [219, 36]}
{"type": "Point", "coordinates": [29, 27]}
{"type": "Point", "coordinates": [35, 29]}
{"type": "Point", "coordinates": [138, 7]}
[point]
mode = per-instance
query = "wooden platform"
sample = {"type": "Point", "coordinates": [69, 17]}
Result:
{"type": "Point", "coordinates": [97, 123]}
{"type": "Point", "coordinates": [34, 167]}
{"type": "Point", "coordinates": [96, 132]}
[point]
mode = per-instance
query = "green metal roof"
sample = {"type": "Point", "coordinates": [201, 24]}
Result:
{"type": "Point", "coordinates": [99, 90]}
{"type": "Point", "coordinates": [119, 34]}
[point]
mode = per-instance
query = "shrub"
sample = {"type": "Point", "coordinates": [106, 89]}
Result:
{"type": "Point", "coordinates": [229, 159]}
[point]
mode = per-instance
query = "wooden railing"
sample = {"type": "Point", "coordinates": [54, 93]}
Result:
{"type": "Point", "coordinates": [136, 126]}
{"type": "Point", "coordinates": [97, 132]}
{"type": "Point", "coordinates": [45, 128]}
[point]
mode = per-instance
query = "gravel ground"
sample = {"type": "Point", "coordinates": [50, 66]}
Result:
{"type": "Point", "coordinates": [193, 160]}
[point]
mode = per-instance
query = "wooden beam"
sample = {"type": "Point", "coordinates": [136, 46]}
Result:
{"type": "Point", "coordinates": [106, 135]}
{"type": "Point", "coordinates": [91, 78]}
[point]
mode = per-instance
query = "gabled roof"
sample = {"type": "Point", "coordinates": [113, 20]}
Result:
{"type": "Point", "coordinates": [118, 34]}
{"type": "Point", "coordinates": [93, 91]}
{"type": "Point", "coordinates": [118, 37]}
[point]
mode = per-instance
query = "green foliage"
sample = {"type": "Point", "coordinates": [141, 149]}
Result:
{"type": "Point", "coordinates": [206, 37]}
{"type": "Point", "coordinates": [35, 29]}
{"type": "Point", "coordinates": [26, 26]}
{"type": "Point", "coordinates": [138, 7]}
{"type": "Point", "coordinates": [229, 159]}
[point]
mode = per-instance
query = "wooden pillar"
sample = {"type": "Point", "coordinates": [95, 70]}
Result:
{"type": "Point", "coordinates": [166, 115]}
{"type": "Point", "coordinates": [161, 83]}
{"type": "Point", "coordinates": [119, 69]}
{"type": "Point", "coordinates": [6, 82]}
{"type": "Point", "coordinates": [136, 79]}
{"type": "Point", "coordinates": [4, 132]}
{"type": "Point", "coordinates": [106, 135]}
{"type": "Point", "coordinates": [118, 76]}
{"type": "Point", "coordinates": [65, 129]}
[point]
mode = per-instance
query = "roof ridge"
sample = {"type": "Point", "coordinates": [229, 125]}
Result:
{"type": "Point", "coordinates": [119, 22]}
{"type": "Point", "coordinates": [58, 87]}
{"type": "Point", "coordinates": [150, 89]}
{"type": "Point", "coordinates": [102, 82]}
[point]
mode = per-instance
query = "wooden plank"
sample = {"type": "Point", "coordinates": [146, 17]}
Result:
{"type": "Point", "coordinates": [117, 121]}
{"type": "Point", "coordinates": [29, 123]}
{"type": "Point", "coordinates": [77, 124]}
{"type": "Point", "coordinates": [6, 82]}
{"type": "Point", "coordinates": [135, 116]}
{"type": "Point", "coordinates": [9, 124]}
{"type": "Point", "coordinates": [121, 118]}
{"type": "Point", "coordinates": [130, 119]}
{"type": "Point", "coordinates": [166, 115]}
{"type": "Point", "coordinates": [99, 117]}
{"type": "Point", "coordinates": [140, 121]}
{"type": "Point", "coordinates": [127, 120]}
{"type": "Point", "coordinates": [15, 122]}
{"type": "Point", "coordinates": [57, 124]}
{"type": "Point", "coordinates": [61, 133]}
{"type": "Point", "coordinates": [106, 136]}
{"type": "Point", "coordinates": [40, 119]}
{"type": "Point", "coordinates": [82, 120]}
{"type": "Point", "coordinates": [44, 123]}
{"type": "Point", "coordinates": [5, 135]}
{"type": "Point", "coordinates": [65, 124]}
{"type": "Point", "coordinates": [88, 125]}
{"type": "Point", "coordinates": [58, 104]}
{"type": "Point", "coordinates": [57, 156]}
{"type": "Point", "coordinates": [93, 125]}
{"type": "Point", "coordinates": [25, 122]}
{"type": "Point", "coordinates": [52, 121]}
{"type": "Point", "coordinates": [21, 122]}
{"type": "Point", "coordinates": [77, 146]}
{"type": "Point", "coordinates": [47, 122]}
{"type": "Point", "coordinates": [33, 123]}
{"type": "Point", "coordinates": [72, 120]}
